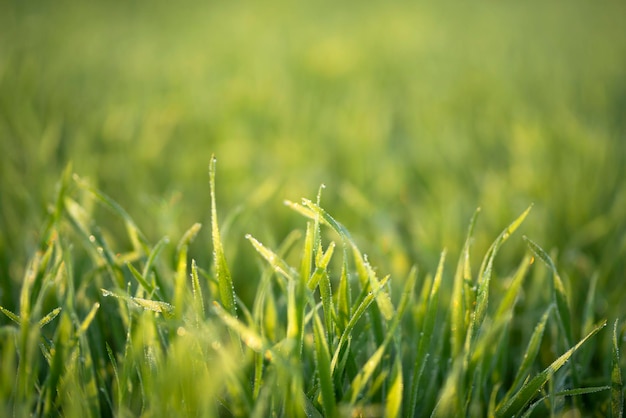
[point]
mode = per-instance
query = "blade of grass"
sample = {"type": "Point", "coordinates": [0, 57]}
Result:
{"type": "Point", "coordinates": [529, 355]}
{"type": "Point", "coordinates": [182, 249]}
{"type": "Point", "coordinates": [458, 308]}
{"type": "Point", "coordinates": [136, 236]}
{"type": "Point", "coordinates": [526, 394]}
{"type": "Point", "coordinates": [224, 280]}
{"type": "Point", "coordinates": [617, 386]}
{"type": "Point", "coordinates": [485, 273]}
{"type": "Point", "coordinates": [365, 374]}
{"type": "Point", "coordinates": [147, 304]}
{"type": "Point", "coordinates": [393, 405]}
{"type": "Point", "coordinates": [324, 372]}
{"type": "Point", "coordinates": [560, 296]}
{"type": "Point", "coordinates": [426, 334]}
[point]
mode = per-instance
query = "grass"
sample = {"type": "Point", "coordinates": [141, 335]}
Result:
{"type": "Point", "coordinates": [140, 285]}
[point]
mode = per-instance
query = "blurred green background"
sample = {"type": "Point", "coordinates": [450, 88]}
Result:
{"type": "Point", "coordinates": [412, 114]}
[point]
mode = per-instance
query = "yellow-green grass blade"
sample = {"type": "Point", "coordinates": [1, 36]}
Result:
{"type": "Point", "coordinates": [182, 249]}
{"type": "Point", "coordinates": [275, 261]}
{"type": "Point", "coordinates": [224, 279]}
{"type": "Point", "coordinates": [344, 296]}
{"type": "Point", "coordinates": [459, 310]}
{"type": "Point", "coordinates": [393, 404]}
{"type": "Point", "coordinates": [198, 298]}
{"type": "Point", "coordinates": [529, 390]}
{"type": "Point", "coordinates": [250, 337]}
{"type": "Point", "coordinates": [146, 304]}
{"type": "Point", "coordinates": [485, 274]}
{"type": "Point", "coordinates": [617, 385]}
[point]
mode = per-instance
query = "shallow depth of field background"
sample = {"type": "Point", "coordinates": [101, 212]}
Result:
{"type": "Point", "coordinates": [412, 115]}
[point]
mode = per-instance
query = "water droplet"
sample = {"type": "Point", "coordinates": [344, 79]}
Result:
{"type": "Point", "coordinates": [92, 238]}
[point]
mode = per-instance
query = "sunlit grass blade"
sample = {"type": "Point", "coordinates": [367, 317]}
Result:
{"type": "Point", "coordinates": [224, 280]}
{"type": "Point", "coordinates": [198, 298]}
{"type": "Point", "coordinates": [276, 262]}
{"type": "Point", "coordinates": [182, 249]}
{"type": "Point", "coordinates": [150, 305]}
{"type": "Point", "coordinates": [248, 336]}
{"type": "Point", "coordinates": [486, 271]}
{"type": "Point", "coordinates": [528, 391]}
{"type": "Point", "coordinates": [49, 317]}
{"type": "Point", "coordinates": [10, 315]}
{"type": "Point", "coordinates": [393, 406]}
{"type": "Point", "coordinates": [617, 385]}
{"type": "Point", "coordinates": [458, 310]}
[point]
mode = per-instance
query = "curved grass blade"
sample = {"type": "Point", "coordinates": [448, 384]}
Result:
{"type": "Point", "coordinates": [484, 275]}
{"type": "Point", "coordinates": [530, 354]}
{"type": "Point", "coordinates": [526, 394]}
{"type": "Point", "coordinates": [617, 386]}
{"type": "Point", "coordinates": [224, 280]}
{"type": "Point", "coordinates": [356, 316]}
{"type": "Point", "coordinates": [560, 296]}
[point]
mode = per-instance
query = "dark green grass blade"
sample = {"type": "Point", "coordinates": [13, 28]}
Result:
{"type": "Point", "coordinates": [224, 280]}
{"type": "Point", "coordinates": [527, 393]}
{"type": "Point", "coordinates": [426, 334]}
{"type": "Point", "coordinates": [356, 316]}
{"type": "Point", "coordinates": [323, 366]}
{"type": "Point", "coordinates": [530, 354]}
{"type": "Point", "coordinates": [560, 296]}
{"type": "Point", "coordinates": [365, 374]}
{"type": "Point", "coordinates": [617, 385]}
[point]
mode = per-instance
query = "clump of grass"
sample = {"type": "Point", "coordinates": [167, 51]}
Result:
{"type": "Point", "coordinates": [126, 333]}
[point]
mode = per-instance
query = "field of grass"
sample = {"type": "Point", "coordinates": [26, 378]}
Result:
{"type": "Point", "coordinates": [270, 209]}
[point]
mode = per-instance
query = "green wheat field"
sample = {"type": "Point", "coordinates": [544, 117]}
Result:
{"type": "Point", "coordinates": [312, 209]}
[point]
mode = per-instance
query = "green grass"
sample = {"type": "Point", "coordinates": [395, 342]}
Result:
{"type": "Point", "coordinates": [156, 280]}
